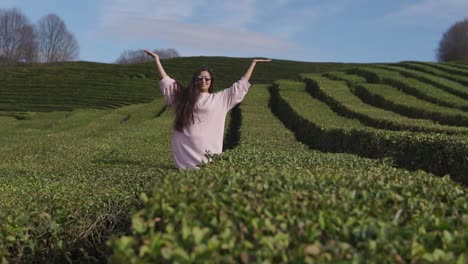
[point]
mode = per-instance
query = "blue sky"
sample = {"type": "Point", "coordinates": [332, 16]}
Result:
{"type": "Point", "coordinates": [302, 30]}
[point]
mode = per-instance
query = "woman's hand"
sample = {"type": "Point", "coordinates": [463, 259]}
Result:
{"type": "Point", "coordinates": [261, 60]}
{"type": "Point", "coordinates": [152, 54]}
{"type": "Point", "coordinates": [160, 68]}
{"type": "Point", "coordinates": [249, 71]}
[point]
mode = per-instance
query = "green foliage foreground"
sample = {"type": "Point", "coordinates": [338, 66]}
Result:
{"type": "Point", "coordinates": [70, 178]}
{"type": "Point", "coordinates": [271, 199]}
{"type": "Point", "coordinates": [70, 181]}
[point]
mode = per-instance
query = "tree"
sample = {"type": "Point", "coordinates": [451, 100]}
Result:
{"type": "Point", "coordinates": [17, 38]}
{"type": "Point", "coordinates": [132, 56]}
{"type": "Point", "coordinates": [56, 43]}
{"type": "Point", "coordinates": [137, 56]}
{"type": "Point", "coordinates": [454, 43]}
{"type": "Point", "coordinates": [167, 53]}
{"type": "Point", "coordinates": [28, 45]}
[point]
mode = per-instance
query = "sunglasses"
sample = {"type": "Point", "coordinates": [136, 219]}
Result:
{"type": "Point", "coordinates": [200, 78]}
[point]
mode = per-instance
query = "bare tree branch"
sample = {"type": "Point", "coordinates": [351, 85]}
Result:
{"type": "Point", "coordinates": [56, 43]}
{"type": "Point", "coordinates": [17, 38]}
{"type": "Point", "coordinates": [28, 45]}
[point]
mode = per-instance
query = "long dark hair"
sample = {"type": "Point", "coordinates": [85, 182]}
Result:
{"type": "Point", "coordinates": [186, 100]}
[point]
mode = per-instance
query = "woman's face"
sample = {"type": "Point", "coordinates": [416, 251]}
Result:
{"type": "Point", "coordinates": [204, 81]}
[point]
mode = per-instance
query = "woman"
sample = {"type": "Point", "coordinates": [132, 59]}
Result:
{"type": "Point", "coordinates": [200, 114]}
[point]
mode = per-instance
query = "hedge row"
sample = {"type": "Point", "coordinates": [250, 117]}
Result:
{"type": "Point", "coordinates": [448, 68]}
{"type": "Point", "coordinates": [70, 180]}
{"type": "Point", "coordinates": [414, 87]}
{"type": "Point", "coordinates": [435, 71]}
{"type": "Point", "coordinates": [340, 98]}
{"type": "Point", "coordinates": [434, 80]}
{"type": "Point", "coordinates": [387, 97]}
{"type": "Point", "coordinates": [459, 64]}
{"type": "Point", "coordinates": [437, 153]}
{"type": "Point", "coordinates": [270, 200]}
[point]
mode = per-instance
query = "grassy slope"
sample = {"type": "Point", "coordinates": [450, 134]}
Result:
{"type": "Point", "coordinates": [273, 200]}
{"type": "Point", "coordinates": [81, 171]}
{"type": "Point", "coordinates": [68, 182]}
{"type": "Point", "coordinates": [67, 86]}
{"type": "Point", "coordinates": [70, 178]}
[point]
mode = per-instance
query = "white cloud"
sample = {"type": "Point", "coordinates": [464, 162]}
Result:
{"type": "Point", "coordinates": [234, 14]}
{"type": "Point", "coordinates": [221, 13]}
{"type": "Point", "coordinates": [204, 37]}
{"type": "Point", "coordinates": [209, 26]}
{"type": "Point", "coordinates": [447, 10]}
{"type": "Point", "coordinates": [114, 11]}
{"type": "Point", "coordinates": [288, 21]}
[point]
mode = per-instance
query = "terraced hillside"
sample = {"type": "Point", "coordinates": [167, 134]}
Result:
{"type": "Point", "coordinates": [68, 86]}
{"type": "Point", "coordinates": [327, 163]}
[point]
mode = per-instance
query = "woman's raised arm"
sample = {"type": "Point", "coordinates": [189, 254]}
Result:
{"type": "Point", "coordinates": [159, 66]}
{"type": "Point", "coordinates": [251, 68]}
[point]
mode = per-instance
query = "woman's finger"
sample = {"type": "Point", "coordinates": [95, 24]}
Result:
{"type": "Point", "coordinates": [262, 60]}
{"type": "Point", "coordinates": [150, 53]}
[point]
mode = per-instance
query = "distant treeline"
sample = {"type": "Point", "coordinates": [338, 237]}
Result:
{"type": "Point", "coordinates": [22, 42]}
{"type": "Point", "coordinates": [138, 56]}
{"type": "Point", "coordinates": [47, 41]}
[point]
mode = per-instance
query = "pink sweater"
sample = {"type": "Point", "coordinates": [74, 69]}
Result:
{"type": "Point", "coordinates": [206, 134]}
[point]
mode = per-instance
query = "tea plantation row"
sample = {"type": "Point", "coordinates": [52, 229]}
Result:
{"type": "Point", "coordinates": [72, 180]}
{"type": "Point", "coordinates": [272, 199]}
